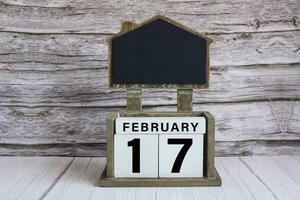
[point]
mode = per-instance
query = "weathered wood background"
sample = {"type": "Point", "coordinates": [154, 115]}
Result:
{"type": "Point", "coordinates": [54, 95]}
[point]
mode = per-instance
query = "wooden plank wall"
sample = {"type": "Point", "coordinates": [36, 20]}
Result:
{"type": "Point", "coordinates": [54, 96]}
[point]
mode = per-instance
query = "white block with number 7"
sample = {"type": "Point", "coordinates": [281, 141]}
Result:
{"type": "Point", "coordinates": [181, 155]}
{"type": "Point", "coordinates": [136, 155]}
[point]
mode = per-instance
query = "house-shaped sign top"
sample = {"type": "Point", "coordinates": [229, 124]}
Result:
{"type": "Point", "coordinates": [159, 53]}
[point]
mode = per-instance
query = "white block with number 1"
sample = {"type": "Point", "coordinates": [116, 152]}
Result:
{"type": "Point", "coordinates": [136, 155]}
{"type": "Point", "coordinates": [181, 155]}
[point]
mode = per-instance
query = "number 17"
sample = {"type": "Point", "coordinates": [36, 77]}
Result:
{"type": "Point", "coordinates": [135, 144]}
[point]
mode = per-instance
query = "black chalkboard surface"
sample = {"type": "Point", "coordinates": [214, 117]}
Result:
{"type": "Point", "coordinates": [159, 54]}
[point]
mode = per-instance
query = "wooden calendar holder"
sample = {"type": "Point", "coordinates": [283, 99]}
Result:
{"type": "Point", "coordinates": [184, 107]}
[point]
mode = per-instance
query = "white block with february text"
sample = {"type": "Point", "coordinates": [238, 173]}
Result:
{"type": "Point", "coordinates": [160, 125]}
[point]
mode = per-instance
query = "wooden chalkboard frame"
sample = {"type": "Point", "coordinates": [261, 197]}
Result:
{"type": "Point", "coordinates": [174, 86]}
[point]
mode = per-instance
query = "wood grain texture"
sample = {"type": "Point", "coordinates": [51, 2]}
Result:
{"type": "Point", "coordinates": [79, 181]}
{"type": "Point", "coordinates": [241, 180]}
{"type": "Point", "coordinates": [78, 16]}
{"type": "Point", "coordinates": [237, 121]}
{"type": "Point", "coordinates": [89, 87]}
{"type": "Point", "coordinates": [28, 178]}
{"type": "Point", "coordinates": [54, 52]}
{"type": "Point", "coordinates": [271, 174]}
{"type": "Point", "coordinates": [249, 122]}
{"type": "Point", "coordinates": [250, 178]}
{"type": "Point", "coordinates": [53, 73]}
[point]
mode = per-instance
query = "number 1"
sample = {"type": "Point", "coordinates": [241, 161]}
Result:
{"type": "Point", "coordinates": [135, 144]}
{"type": "Point", "coordinates": [187, 143]}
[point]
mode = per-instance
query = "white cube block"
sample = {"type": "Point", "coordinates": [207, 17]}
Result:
{"type": "Point", "coordinates": [181, 155]}
{"type": "Point", "coordinates": [160, 125]}
{"type": "Point", "coordinates": [136, 155]}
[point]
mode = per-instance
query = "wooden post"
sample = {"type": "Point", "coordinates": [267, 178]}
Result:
{"type": "Point", "coordinates": [185, 100]}
{"type": "Point", "coordinates": [134, 99]}
{"type": "Point", "coordinates": [127, 26]}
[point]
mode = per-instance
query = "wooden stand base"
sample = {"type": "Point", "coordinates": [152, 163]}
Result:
{"type": "Point", "coordinates": [159, 182]}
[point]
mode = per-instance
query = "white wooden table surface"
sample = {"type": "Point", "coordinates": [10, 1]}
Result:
{"type": "Point", "coordinates": [276, 177]}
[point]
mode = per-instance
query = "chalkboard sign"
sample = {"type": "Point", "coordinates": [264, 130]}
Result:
{"type": "Point", "coordinates": [159, 53]}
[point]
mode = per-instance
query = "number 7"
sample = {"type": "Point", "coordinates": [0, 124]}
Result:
{"type": "Point", "coordinates": [187, 143]}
